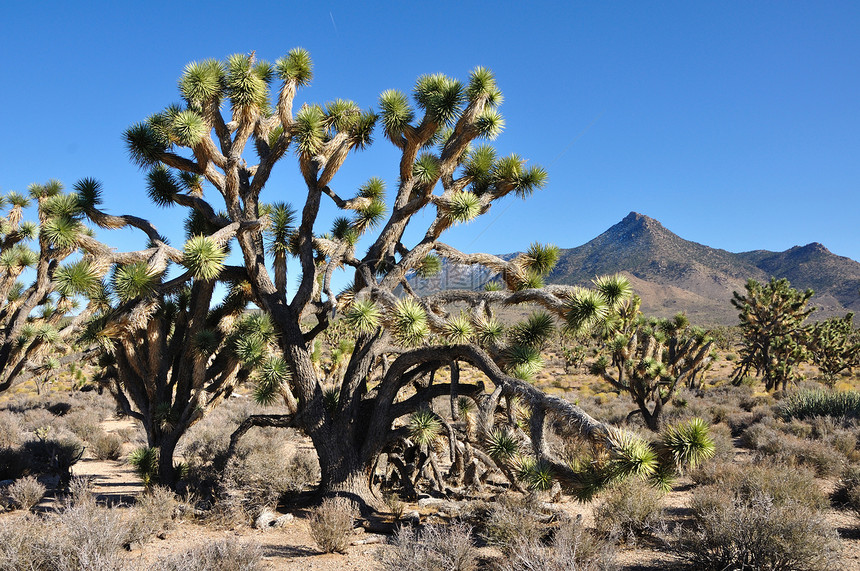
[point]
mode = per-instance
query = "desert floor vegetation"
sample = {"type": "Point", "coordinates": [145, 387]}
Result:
{"type": "Point", "coordinates": [780, 492]}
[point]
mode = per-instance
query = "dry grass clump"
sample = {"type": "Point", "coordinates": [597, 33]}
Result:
{"type": "Point", "coordinates": [105, 446]}
{"type": "Point", "coordinates": [628, 510]}
{"type": "Point", "coordinates": [765, 516]}
{"type": "Point", "coordinates": [572, 548]}
{"type": "Point", "coordinates": [783, 447]}
{"type": "Point", "coordinates": [226, 555]}
{"type": "Point", "coordinates": [434, 548]}
{"type": "Point", "coordinates": [848, 490]}
{"type": "Point", "coordinates": [332, 524]}
{"type": "Point", "coordinates": [26, 492]}
{"type": "Point", "coordinates": [153, 513]}
{"type": "Point", "coordinates": [10, 429]}
{"type": "Point", "coordinates": [510, 520]}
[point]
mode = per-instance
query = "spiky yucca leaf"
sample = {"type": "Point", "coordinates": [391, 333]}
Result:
{"type": "Point", "coordinates": [541, 258]}
{"type": "Point", "coordinates": [396, 113]}
{"type": "Point", "coordinates": [409, 322]}
{"type": "Point", "coordinates": [281, 216]}
{"type": "Point", "coordinates": [689, 442]}
{"type": "Point", "coordinates": [296, 66]}
{"type": "Point", "coordinates": [458, 329]}
{"type": "Point", "coordinates": [369, 216]}
{"type": "Point", "coordinates": [462, 207]}
{"type": "Point", "coordinates": [134, 280]}
{"type": "Point", "coordinates": [489, 331]}
{"type": "Point", "coordinates": [482, 83]}
{"type": "Point", "coordinates": [615, 289]}
{"type": "Point", "coordinates": [374, 189]}
{"type": "Point", "coordinates": [585, 309]}
{"type": "Point", "coordinates": [478, 167]}
{"type": "Point", "coordinates": [489, 123]}
{"type": "Point", "coordinates": [202, 82]}
{"type": "Point", "coordinates": [188, 128]}
{"type": "Point", "coordinates": [206, 342]}
{"type": "Point", "coordinates": [245, 88]}
{"type": "Point", "coordinates": [493, 285]}
{"type": "Point", "coordinates": [251, 350]}
{"type": "Point", "coordinates": [631, 455]}
{"type": "Point", "coordinates": [62, 232]}
{"type": "Point", "coordinates": [309, 129]}
{"type": "Point", "coordinates": [144, 145]}
{"type": "Point", "coordinates": [161, 186]}
{"type": "Point", "coordinates": [144, 460]}
{"type": "Point", "coordinates": [203, 257]}
{"type": "Point", "coordinates": [89, 192]}
{"type": "Point", "coordinates": [501, 445]}
{"type": "Point", "coordinates": [424, 427]}
{"type": "Point", "coordinates": [17, 200]}
{"type": "Point", "coordinates": [440, 96]}
{"type": "Point", "coordinates": [535, 331]}
{"type": "Point", "coordinates": [331, 398]}
{"type": "Point", "coordinates": [363, 316]}
{"type": "Point", "coordinates": [529, 280]}
{"type": "Point", "coordinates": [664, 477]}
{"type": "Point", "coordinates": [78, 278]}
{"type": "Point", "coordinates": [523, 361]}
{"type": "Point", "coordinates": [426, 168]}
{"type": "Point", "coordinates": [430, 266]}
{"type": "Point", "coordinates": [274, 373]}
{"type": "Point", "coordinates": [532, 179]}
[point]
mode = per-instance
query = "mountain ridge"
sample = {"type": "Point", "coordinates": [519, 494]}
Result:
{"type": "Point", "coordinates": [672, 274]}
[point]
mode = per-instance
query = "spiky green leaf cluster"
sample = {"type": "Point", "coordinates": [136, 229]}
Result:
{"type": "Point", "coordinates": [523, 361]}
{"type": "Point", "coordinates": [631, 455]}
{"type": "Point", "coordinates": [135, 280]}
{"type": "Point", "coordinates": [161, 186]}
{"type": "Point", "coordinates": [440, 97]}
{"type": "Point", "coordinates": [431, 265]}
{"type": "Point", "coordinates": [309, 131]}
{"type": "Point", "coordinates": [409, 322]}
{"type": "Point", "coordinates": [273, 374]}
{"type": "Point", "coordinates": [689, 442]}
{"type": "Point", "coordinates": [281, 217]}
{"type": "Point", "coordinates": [424, 427]}
{"type": "Point", "coordinates": [489, 331]}
{"type": "Point", "coordinates": [535, 331]}
{"type": "Point", "coordinates": [426, 169]}
{"type": "Point", "coordinates": [245, 83]}
{"type": "Point", "coordinates": [363, 316]}
{"type": "Point", "coordinates": [202, 82]}
{"type": "Point", "coordinates": [203, 257]}
{"type": "Point", "coordinates": [585, 308]}
{"type": "Point", "coordinates": [296, 66]}
{"type": "Point", "coordinates": [541, 258]}
{"type": "Point", "coordinates": [462, 207]}
{"type": "Point", "coordinates": [458, 329]}
{"type": "Point", "coordinates": [502, 445]}
{"type": "Point", "coordinates": [482, 84]}
{"type": "Point", "coordinates": [396, 113]}
{"type": "Point", "coordinates": [78, 278]}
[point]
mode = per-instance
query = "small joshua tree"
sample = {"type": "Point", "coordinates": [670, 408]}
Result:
{"type": "Point", "coordinates": [834, 345]}
{"type": "Point", "coordinates": [773, 343]}
{"type": "Point", "coordinates": [645, 358]}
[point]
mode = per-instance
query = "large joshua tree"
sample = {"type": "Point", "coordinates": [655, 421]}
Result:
{"type": "Point", "coordinates": [406, 350]}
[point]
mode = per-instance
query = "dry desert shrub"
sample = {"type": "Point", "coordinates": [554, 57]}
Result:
{"type": "Point", "coordinates": [26, 492]}
{"type": "Point", "coordinates": [628, 510]}
{"type": "Point", "coordinates": [572, 548]}
{"type": "Point", "coordinates": [105, 446]}
{"type": "Point", "coordinates": [433, 548]}
{"type": "Point", "coordinates": [736, 530]}
{"type": "Point", "coordinates": [153, 513]}
{"type": "Point", "coordinates": [10, 429]}
{"type": "Point", "coordinates": [225, 555]}
{"type": "Point", "coordinates": [332, 523]}
{"type": "Point", "coordinates": [510, 520]}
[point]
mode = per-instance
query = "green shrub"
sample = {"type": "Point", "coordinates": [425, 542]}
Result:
{"type": "Point", "coordinates": [332, 523]}
{"type": "Point", "coordinates": [809, 403]}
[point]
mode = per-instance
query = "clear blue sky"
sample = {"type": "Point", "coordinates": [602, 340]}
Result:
{"type": "Point", "coordinates": [736, 124]}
